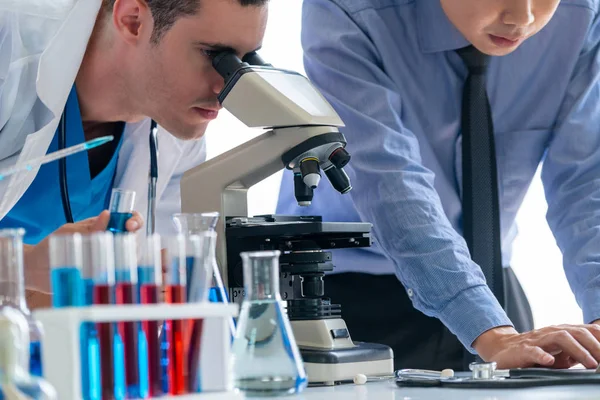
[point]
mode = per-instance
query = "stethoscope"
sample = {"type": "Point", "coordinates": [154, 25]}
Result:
{"type": "Point", "coordinates": [152, 176]}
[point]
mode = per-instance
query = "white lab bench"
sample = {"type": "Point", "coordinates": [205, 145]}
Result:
{"type": "Point", "coordinates": [389, 391]}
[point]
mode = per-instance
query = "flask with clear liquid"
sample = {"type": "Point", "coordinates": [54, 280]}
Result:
{"type": "Point", "coordinates": [15, 381]}
{"type": "Point", "coordinates": [12, 291]}
{"type": "Point", "coordinates": [266, 359]}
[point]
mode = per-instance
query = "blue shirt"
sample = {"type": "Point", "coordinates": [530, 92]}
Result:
{"type": "Point", "coordinates": [40, 209]}
{"type": "Point", "coordinates": [390, 69]}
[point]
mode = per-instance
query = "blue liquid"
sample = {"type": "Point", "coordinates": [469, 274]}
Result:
{"type": "Point", "coordinates": [90, 350]}
{"type": "Point", "coordinates": [117, 222]}
{"type": "Point", "coordinates": [143, 363]}
{"type": "Point", "coordinates": [189, 268]}
{"type": "Point", "coordinates": [119, 365]}
{"type": "Point", "coordinates": [35, 359]}
{"type": "Point", "coordinates": [145, 277]}
{"type": "Point", "coordinates": [164, 358]}
{"type": "Point", "coordinates": [67, 287]}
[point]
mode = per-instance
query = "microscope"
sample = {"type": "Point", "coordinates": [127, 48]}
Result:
{"type": "Point", "coordinates": [302, 136]}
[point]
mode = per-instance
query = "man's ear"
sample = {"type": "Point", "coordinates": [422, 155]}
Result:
{"type": "Point", "coordinates": [132, 20]}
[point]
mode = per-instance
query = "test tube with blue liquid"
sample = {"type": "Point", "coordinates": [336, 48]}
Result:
{"type": "Point", "coordinates": [126, 292]}
{"type": "Point", "coordinates": [111, 345]}
{"type": "Point", "coordinates": [121, 208]}
{"type": "Point", "coordinates": [150, 283]}
{"type": "Point", "coordinates": [70, 290]}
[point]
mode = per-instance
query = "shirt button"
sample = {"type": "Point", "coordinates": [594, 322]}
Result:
{"type": "Point", "coordinates": [410, 292]}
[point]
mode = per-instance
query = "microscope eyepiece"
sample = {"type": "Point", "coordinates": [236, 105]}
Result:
{"type": "Point", "coordinates": [339, 157]}
{"type": "Point", "coordinates": [339, 179]}
{"type": "Point", "coordinates": [254, 59]}
{"type": "Point", "coordinates": [303, 193]}
{"type": "Point", "coordinates": [226, 63]}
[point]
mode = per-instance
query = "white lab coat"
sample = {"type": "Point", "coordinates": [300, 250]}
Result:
{"type": "Point", "coordinates": [42, 43]}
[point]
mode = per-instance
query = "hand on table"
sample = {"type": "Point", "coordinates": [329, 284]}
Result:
{"type": "Point", "coordinates": [561, 346]}
{"type": "Point", "coordinates": [36, 258]}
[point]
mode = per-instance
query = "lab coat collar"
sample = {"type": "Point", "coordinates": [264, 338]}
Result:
{"type": "Point", "coordinates": [435, 31]}
{"type": "Point", "coordinates": [61, 60]}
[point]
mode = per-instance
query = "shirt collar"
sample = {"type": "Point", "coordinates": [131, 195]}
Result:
{"type": "Point", "coordinates": [436, 32]}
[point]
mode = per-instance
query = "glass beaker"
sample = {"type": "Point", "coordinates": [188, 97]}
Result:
{"type": "Point", "coordinates": [122, 203]}
{"type": "Point", "coordinates": [12, 291]}
{"type": "Point", "coordinates": [266, 359]}
{"type": "Point", "coordinates": [193, 224]}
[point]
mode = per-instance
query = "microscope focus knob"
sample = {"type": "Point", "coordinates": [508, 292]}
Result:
{"type": "Point", "coordinates": [340, 157]}
{"type": "Point", "coordinates": [311, 173]}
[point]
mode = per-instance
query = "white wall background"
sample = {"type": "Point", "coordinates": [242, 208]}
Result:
{"type": "Point", "coordinates": [537, 261]}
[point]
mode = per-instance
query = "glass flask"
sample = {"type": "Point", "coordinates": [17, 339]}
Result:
{"type": "Point", "coordinates": [266, 359]}
{"type": "Point", "coordinates": [12, 291]}
{"type": "Point", "coordinates": [193, 224]}
{"type": "Point", "coordinates": [196, 224]}
{"type": "Point", "coordinates": [15, 381]}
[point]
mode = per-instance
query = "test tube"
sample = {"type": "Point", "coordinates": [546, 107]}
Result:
{"type": "Point", "coordinates": [66, 266]}
{"type": "Point", "coordinates": [102, 263]}
{"type": "Point", "coordinates": [121, 209]}
{"type": "Point", "coordinates": [175, 285]}
{"type": "Point", "coordinates": [69, 288]}
{"type": "Point", "coordinates": [126, 293]}
{"type": "Point", "coordinates": [150, 282]}
{"type": "Point", "coordinates": [200, 253]}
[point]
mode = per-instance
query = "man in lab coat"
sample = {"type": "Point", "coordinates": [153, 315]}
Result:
{"type": "Point", "coordinates": [116, 63]}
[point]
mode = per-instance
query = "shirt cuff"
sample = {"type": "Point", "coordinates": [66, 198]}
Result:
{"type": "Point", "coordinates": [473, 312]}
{"type": "Point", "coordinates": [590, 305]}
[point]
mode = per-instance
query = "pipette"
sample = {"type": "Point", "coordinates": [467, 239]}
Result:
{"type": "Point", "coordinates": [56, 155]}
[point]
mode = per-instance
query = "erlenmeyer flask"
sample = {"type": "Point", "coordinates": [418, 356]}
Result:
{"type": "Point", "coordinates": [194, 224]}
{"type": "Point", "coordinates": [266, 360]}
{"type": "Point", "coordinates": [12, 291]}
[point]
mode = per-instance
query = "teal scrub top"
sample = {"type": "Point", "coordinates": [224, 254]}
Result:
{"type": "Point", "coordinates": [40, 211]}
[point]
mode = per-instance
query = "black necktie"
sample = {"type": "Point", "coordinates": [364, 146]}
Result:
{"type": "Point", "coordinates": [481, 212]}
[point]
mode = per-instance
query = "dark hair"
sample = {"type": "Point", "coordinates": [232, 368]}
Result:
{"type": "Point", "coordinates": [166, 12]}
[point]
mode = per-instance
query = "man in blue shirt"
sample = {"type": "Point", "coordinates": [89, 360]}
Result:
{"type": "Point", "coordinates": [392, 71]}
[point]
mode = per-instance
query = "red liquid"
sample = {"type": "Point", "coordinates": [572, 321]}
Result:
{"type": "Point", "coordinates": [176, 338]}
{"type": "Point", "coordinates": [126, 294]}
{"type": "Point", "coordinates": [194, 355]}
{"type": "Point", "coordinates": [105, 337]}
{"type": "Point", "coordinates": [149, 295]}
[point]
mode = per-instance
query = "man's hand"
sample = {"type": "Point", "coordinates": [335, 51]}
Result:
{"type": "Point", "coordinates": [37, 268]}
{"type": "Point", "coordinates": [552, 347]}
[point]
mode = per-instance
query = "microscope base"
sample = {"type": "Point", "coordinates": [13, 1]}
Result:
{"type": "Point", "coordinates": [328, 367]}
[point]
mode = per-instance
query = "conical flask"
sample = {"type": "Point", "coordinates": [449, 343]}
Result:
{"type": "Point", "coordinates": [15, 381]}
{"type": "Point", "coordinates": [266, 359]}
{"type": "Point", "coordinates": [12, 290]}
{"type": "Point", "coordinates": [195, 224]}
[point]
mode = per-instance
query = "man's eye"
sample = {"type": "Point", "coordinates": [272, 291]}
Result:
{"type": "Point", "coordinates": [210, 54]}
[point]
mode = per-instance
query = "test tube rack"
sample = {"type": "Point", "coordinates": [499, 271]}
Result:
{"type": "Point", "coordinates": [61, 357]}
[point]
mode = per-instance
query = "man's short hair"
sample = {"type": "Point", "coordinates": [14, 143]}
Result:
{"type": "Point", "coordinates": [166, 12]}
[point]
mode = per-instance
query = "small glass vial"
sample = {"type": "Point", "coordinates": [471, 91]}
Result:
{"type": "Point", "coordinates": [12, 290]}
{"type": "Point", "coordinates": [266, 359]}
{"type": "Point", "coordinates": [121, 207]}
{"type": "Point", "coordinates": [15, 381]}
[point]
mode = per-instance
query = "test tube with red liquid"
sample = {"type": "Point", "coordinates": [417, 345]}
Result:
{"type": "Point", "coordinates": [101, 257]}
{"type": "Point", "coordinates": [126, 292]}
{"type": "Point", "coordinates": [150, 283]}
{"type": "Point", "coordinates": [176, 330]}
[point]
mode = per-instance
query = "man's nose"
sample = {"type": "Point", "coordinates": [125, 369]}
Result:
{"type": "Point", "coordinates": [518, 13]}
{"type": "Point", "coordinates": [217, 82]}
